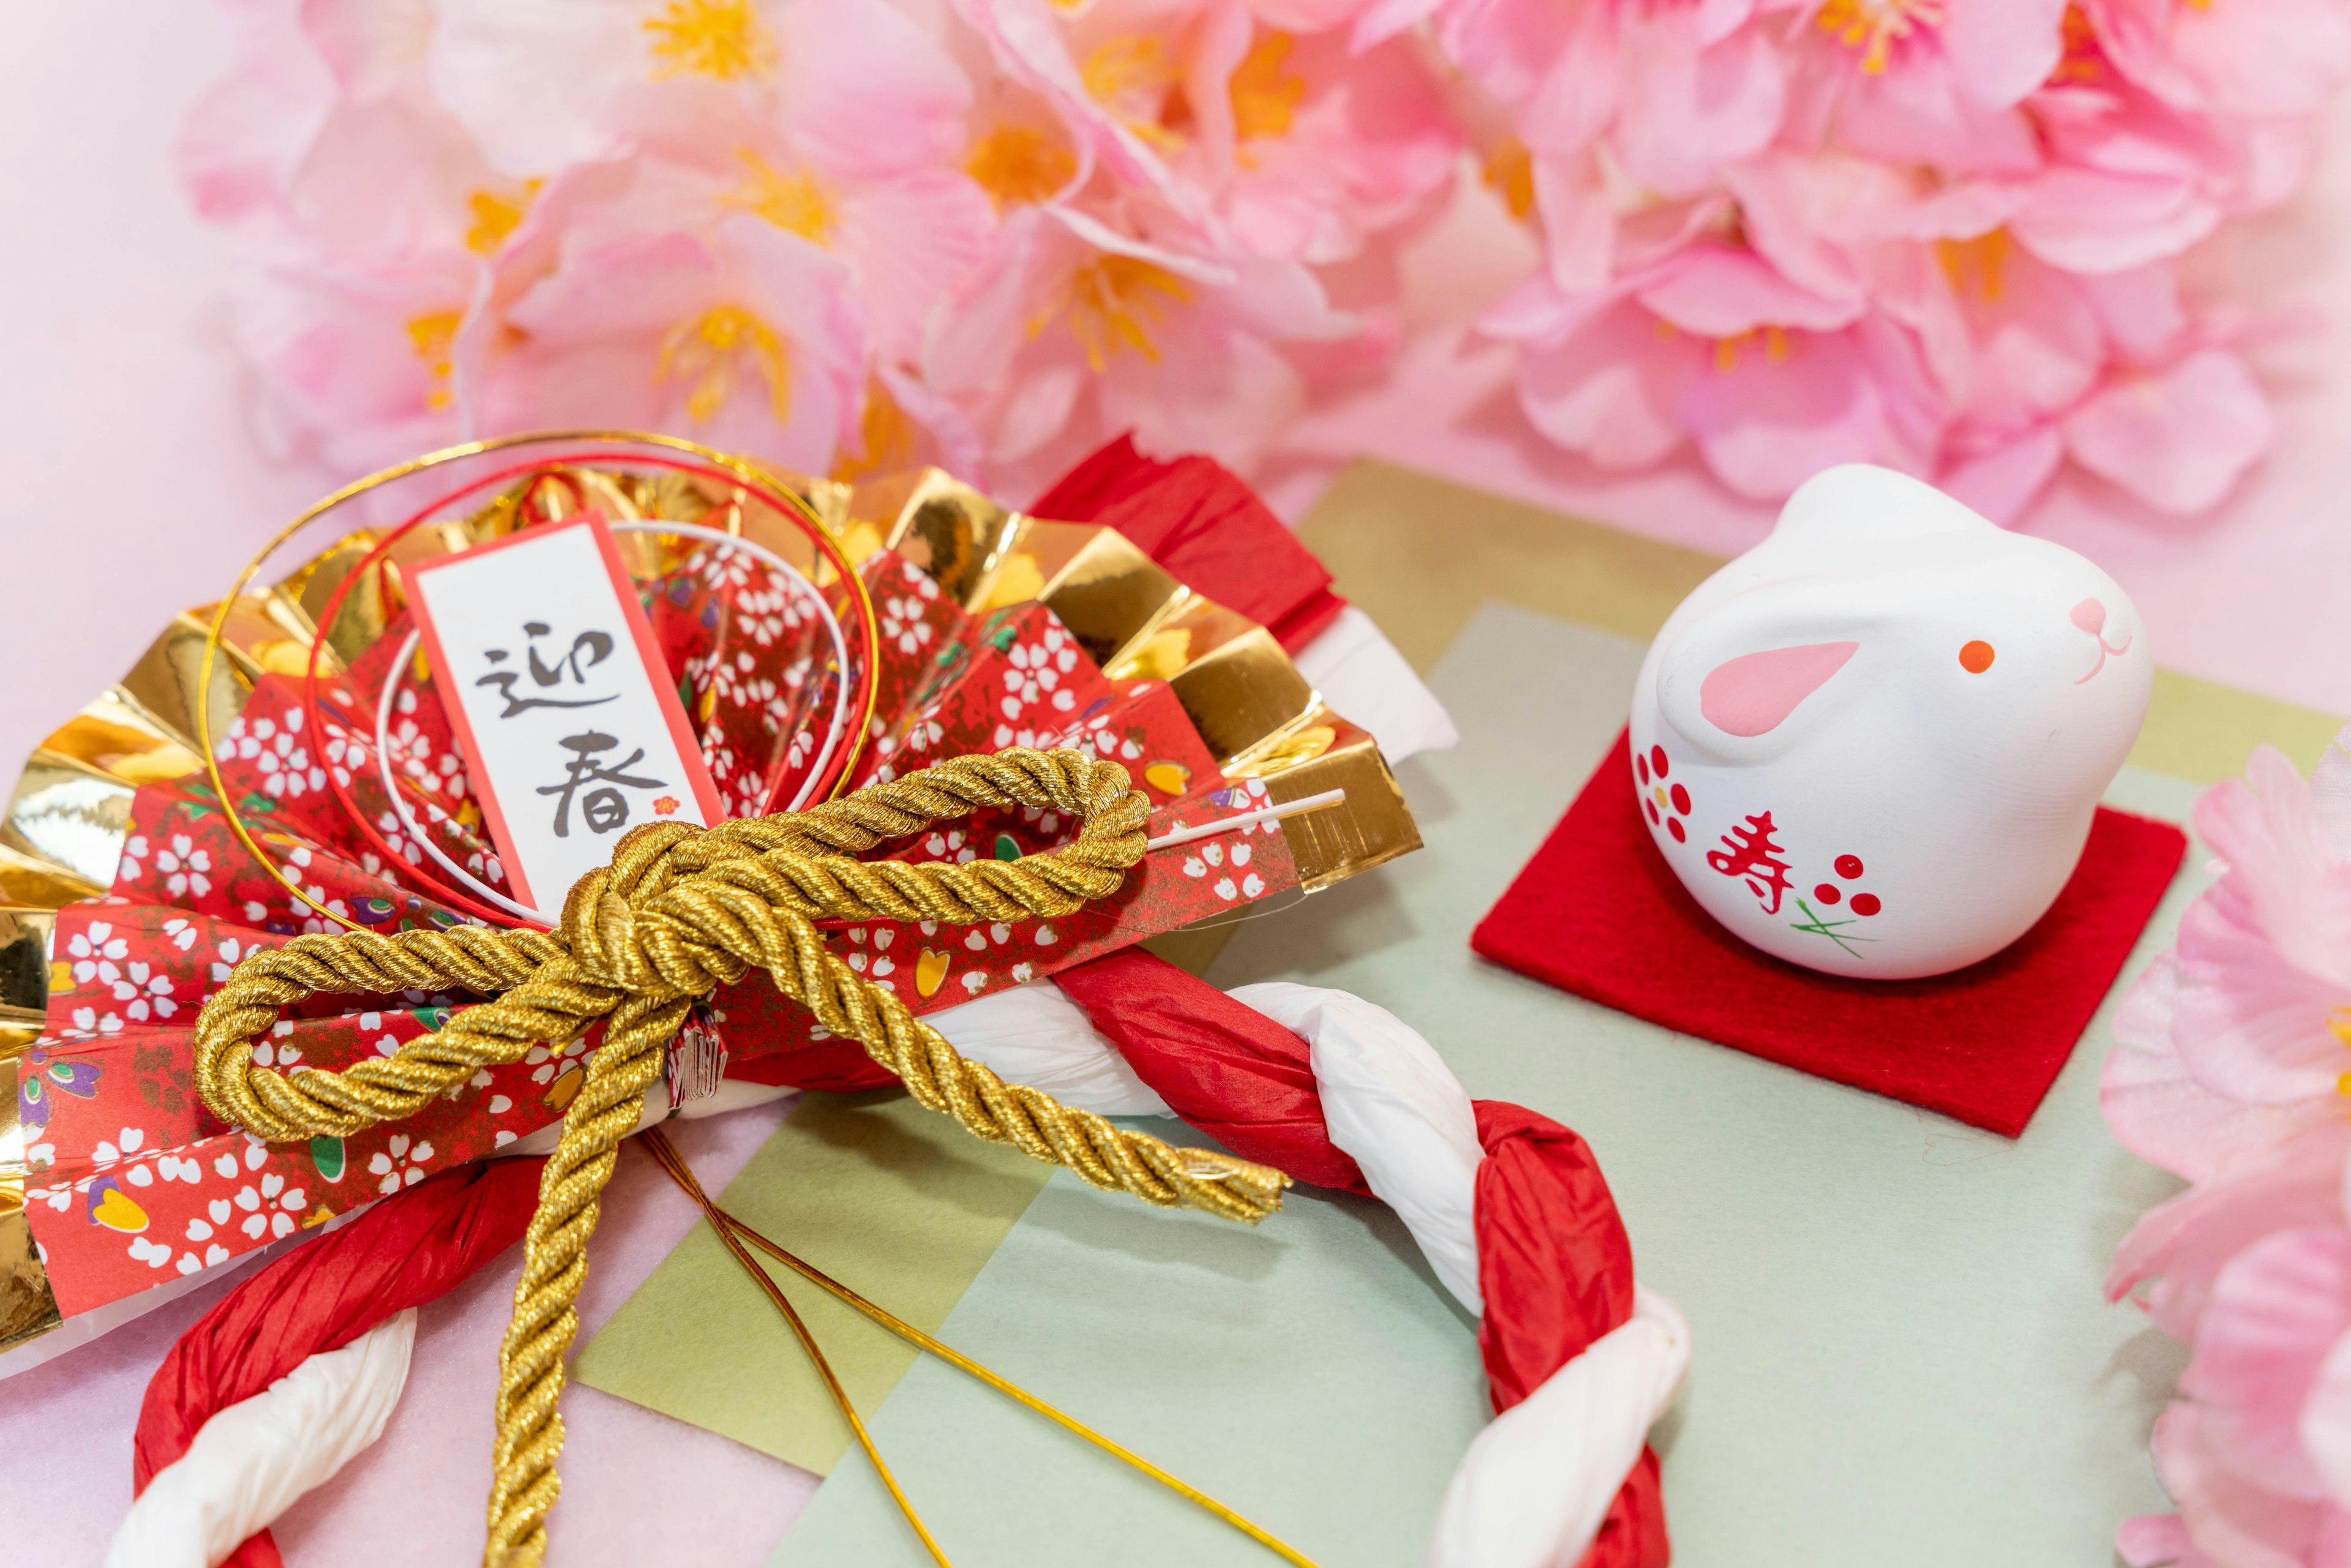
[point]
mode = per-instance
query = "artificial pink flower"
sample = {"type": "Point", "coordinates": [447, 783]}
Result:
{"type": "Point", "coordinates": [1910, 81]}
{"type": "Point", "coordinates": [2229, 1071]}
{"type": "Point", "coordinates": [1786, 232]}
{"type": "Point", "coordinates": [1266, 136]}
{"type": "Point", "coordinates": [1317, 151]}
{"type": "Point", "coordinates": [1773, 382]}
{"type": "Point", "coordinates": [693, 158]}
{"type": "Point", "coordinates": [2179, 436]}
{"type": "Point", "coordinates": [2253, 59]}
{"type": "Point", "coordinates": [241, 142]}
{"type": "Point", "coordinates": [2226, 1520]}
{"type": "Point", "coordinates": [1075, 331]}
{"type": "Point", "coordinates": [858, 83]}
{"type": "Point", "coordinates": [372, 217]}
{"type": "Point", "coordinates": [1671, 93]}
{"type": "Point", "coordinates": [2257, 1006]}
{"type": "Point", "coordinates": [751, 341]}
{"type": "Point", "coordinates": [2130, 176]}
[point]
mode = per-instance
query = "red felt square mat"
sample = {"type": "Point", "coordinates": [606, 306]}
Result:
{"type": "Point", "coordinates": [1597, 912]}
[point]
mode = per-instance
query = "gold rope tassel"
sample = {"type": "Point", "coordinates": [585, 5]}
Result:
{"type": "Point", "coordinates": [681, 911]}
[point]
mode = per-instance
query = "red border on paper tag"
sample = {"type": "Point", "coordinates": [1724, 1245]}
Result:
{"type": "Point", "coordinates": [640, 634]}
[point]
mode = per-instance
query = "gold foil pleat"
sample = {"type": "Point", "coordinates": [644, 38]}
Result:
{"type": "Point", "coordinates": [163, 683]}
{"type": "Point", "coordinates": [68, 816]}
{"type": "Point", "coordinates": [943, 527]}
{"type": "Point", "coordinates": [26, 940]}
{"type": "Point", "coordinates": [1259, 716]}
{"type": "Point", "coordinates": [117, 737]}
{"type": "Point", "coordinates": [1375, 827]}
{"type": "Point", "coordinates": [28, 879]}
{"type": "Point", "coordinates": [28, 1308]}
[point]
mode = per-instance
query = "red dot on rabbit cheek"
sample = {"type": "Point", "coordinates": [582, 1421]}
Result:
{"type": "Point", "coordinates": [1827, 893]}
{"type": "Point", "coordinates": [1641, 767]}
{"type": "Point", "coordinates": [1674, 826]}
{"type": "Point", "coordinates": [1866, 903]}
{"type": "Point", "coordinates": [1681, 799]}
{"type": "Point", "coordinates": [1657, 760]}
{"type": "Point", "coordinates": [1848, 866]}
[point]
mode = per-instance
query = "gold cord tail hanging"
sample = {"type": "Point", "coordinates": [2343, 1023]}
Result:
{"type": "Point", "coordinates": [680, 911]}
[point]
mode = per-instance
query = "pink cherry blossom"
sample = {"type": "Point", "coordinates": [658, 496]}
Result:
{"type": "Point", "coordinates": [1075, 331]}
{"type": "Point", "coordinates": [1995, 191]}
{"type": "Point", "coordinates": [694, 158]}
{"type": "Point", "coordinates": [2229, 1071]}
{"type": "Point", "coordinates": [1675, 91]}
{"type": "Point", "coordinates": [1921, 83]}
{"type": "Point", "coordinates": [2276, 59]}
{"type": "Point", "coordinates": [535, 80]}
{"type": "Point", "coordinates": [1258, 121]}
{"type": "Point", "coordinates": [1711, 345]}
{"type": "Point", "coordinates": [2129, 176]}
{"type": "Point", "coordinates": [1943, 235]}
{"type": "Point", "coordinates": [751, 341]}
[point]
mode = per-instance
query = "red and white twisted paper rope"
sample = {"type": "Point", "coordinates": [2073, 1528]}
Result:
{"type": "Point", "coordinates": [1498, 1199]}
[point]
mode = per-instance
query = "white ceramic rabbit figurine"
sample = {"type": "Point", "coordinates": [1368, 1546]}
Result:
{"type": "Point", "coordinates": [1873, 744]}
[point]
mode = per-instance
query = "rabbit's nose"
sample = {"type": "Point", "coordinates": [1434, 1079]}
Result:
{"type": "Point", "coordinates": [2090, 616]}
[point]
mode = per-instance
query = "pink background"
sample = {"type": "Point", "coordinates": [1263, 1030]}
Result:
{"type": "Point", "coordinates": [132, 489]}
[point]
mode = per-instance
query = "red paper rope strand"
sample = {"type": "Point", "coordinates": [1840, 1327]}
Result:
{"type": "Point", "coordinates": [405, 1251]}
{"type": "Point", "coordinates": [1554, 1264]}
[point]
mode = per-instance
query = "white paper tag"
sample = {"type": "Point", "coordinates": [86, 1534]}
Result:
{"type": "Point", "coordinates": [570, 725]}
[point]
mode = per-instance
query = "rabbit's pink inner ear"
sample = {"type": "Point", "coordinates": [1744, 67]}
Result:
{"type": "Point", "coordinates": [1752, 693]}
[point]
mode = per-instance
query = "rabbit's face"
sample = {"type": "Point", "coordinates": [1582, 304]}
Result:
{"type": "Point", "coordinates": [1887, 666]}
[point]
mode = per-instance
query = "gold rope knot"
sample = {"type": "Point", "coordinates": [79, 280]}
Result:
{"type": "Point", "coordinates": [680, 911]}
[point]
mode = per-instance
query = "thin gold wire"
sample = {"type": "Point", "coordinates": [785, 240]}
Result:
{"type": "Point", "coordinates": [733, 1232]}
{"type": "Point", "coordinates": [671, 1162]}
{"type": "Point", "coordinates": [215, 632]}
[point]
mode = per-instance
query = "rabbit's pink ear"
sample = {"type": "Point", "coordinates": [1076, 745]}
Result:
{"type": "Point", "coordinates": [1750, 695]}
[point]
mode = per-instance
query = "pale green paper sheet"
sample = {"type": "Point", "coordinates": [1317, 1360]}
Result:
{"type": "Point", "coordinates": [1903, 1355]}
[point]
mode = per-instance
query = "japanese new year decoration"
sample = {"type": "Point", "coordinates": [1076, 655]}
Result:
{"type": "Point", "coordinates": [293, 949]}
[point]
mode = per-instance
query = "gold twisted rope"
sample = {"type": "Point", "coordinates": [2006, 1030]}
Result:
{"type": "Point", "coordinates": [680, 911]}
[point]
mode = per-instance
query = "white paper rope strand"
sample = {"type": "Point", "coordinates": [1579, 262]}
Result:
{"type": "Point", "coordinates": [1536, 1484]}
{"type": "Point", "coordinates": [251, 1461]}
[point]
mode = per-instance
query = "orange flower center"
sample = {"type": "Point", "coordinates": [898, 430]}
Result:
{"type": "Point", "coordinates": [1773, 338]}
{"type": "Point", "coordinates": [722, 38]}
{"type": "Point", "coordinates": [1265, 98]}
{"type": "Point", "coordinates": [1129, 75]}
{"type": "Point", "coordinates": [432, 338]}
{"type": "Point", "coordinates": [1017, 165]}
{"type": "Point", "coordinates": [1875, 27]}
{"type": "Point", "coordinates": [496, 215]}
{"type": "Point", "coordinates": [1978, 266]}
{"type": "Point", "coordinates": [795, 201]}
{"type": "Point", "coordinates": [886, 438]}
{"type": "Point", "coordinates": [1509, 171]}
{"type": "Point", "coordinates": [718, 348]}
{"type": "Point", "coordinates": [2083, 60]}
{"type": "Point", "coordinates": [1112, 302]}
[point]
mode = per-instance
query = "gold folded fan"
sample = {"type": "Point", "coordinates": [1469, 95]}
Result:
{"type": "Point", "coordinates": [66, 822]}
